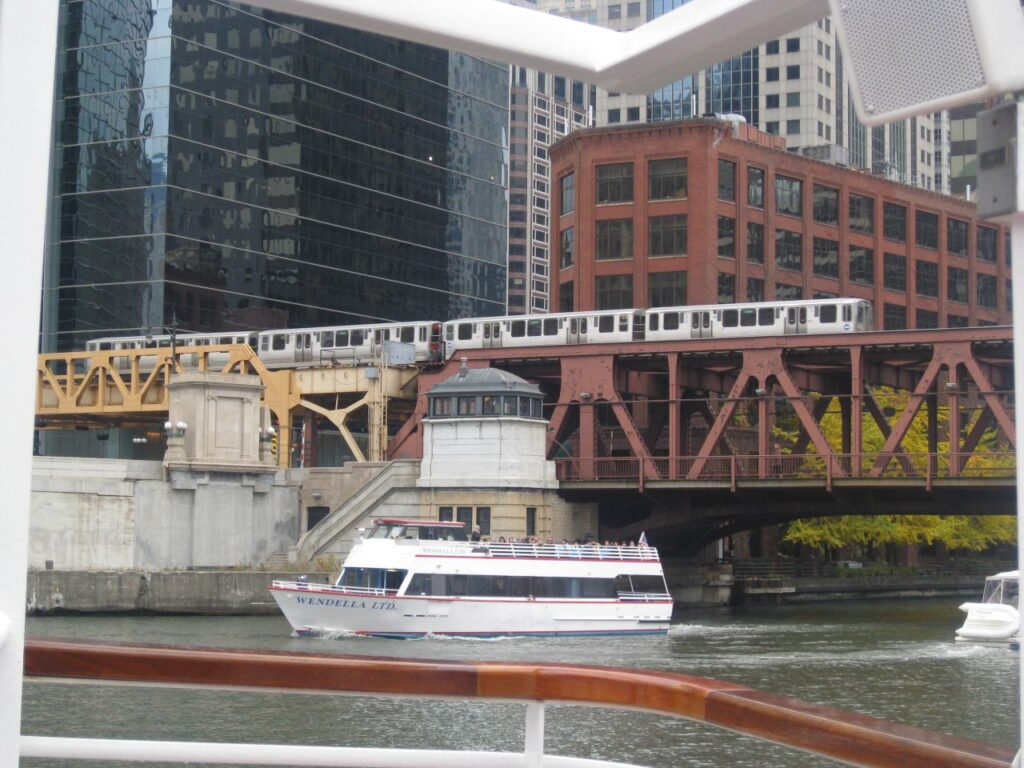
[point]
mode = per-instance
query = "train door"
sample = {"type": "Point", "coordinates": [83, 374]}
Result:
{"type": "Point", "coordinates": [796, 320]}
{"type": "Point", "coordinates": [576, 330]}
{"type": "Point", "coordinates": [303, 347]}
{"type": "Point", "coordinates": [700, 324]}
{"type": "Point", "coordinates": [491, 331]}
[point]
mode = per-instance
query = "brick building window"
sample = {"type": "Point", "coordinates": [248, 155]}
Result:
{"type": "Point", "coordinates": [666, 235]}
{"type": "Point", "coordinates": [788, 250]}
{"type": "Point", "coordinates": [862, 265]}
{"type": "Point", "coordinates": [925, 318]}
{"type": "Point", "coordinates": [894, 317]}
{"type": "Point", "coordinates": [956, 237]}
{"type": "Point", "coordinates": [862, 214]}
{"type": "Point", "coordinates": [614, 239]}
{"type": "Point", "coordinates": [927, 229]}
{"type": "Point", "coordinates": [826, 257]}
{"type": "Point", "coordinates": [727, 237]}
{"type": "Point", "coordinates": [614, 292]}
{"type": "Point", "coordinates": [755, 187]}
{"type": "Point", "coordinates": [787, 292]}
{"type": "Point", "coordinates": [667, 179]}
{"type": "Point", "coordinates": [826, 205]}
{"type": "Point", "coordinates": [615, 183]}
{"type": "Point", "coordinates": [987, 243]}
{"type": "Point", "coordinates": [894, 271]}
{"type": "Point", "coordinates": [956, 321]}
{"type": "Point", "coordinates": [926, 274]}
{"type": "Point", "coordinates": [567, 193]}
{"type": "Point", "coordinates": [755, 289]}
{"type": "Point", "coordinates": [727, 181]}
{"type": "Point", "coordinates": [788, 194]}
{"type": "Point", "coordinates": [726, 288]}
{"type": "Point", "coordinates": [565, 297]}
{"type": "Point", "coordinates": [894, 222]}
{"type": "Point", "coordinates": [987, 291]}
{"type": "Point", "coordinates": [666, 289]}
{"type": "Point", "coordinates": [567, 248]}
{"type": "Point", "coordinates": [755, 242]}
{"type": "Point", "coordinates": [956, 284]}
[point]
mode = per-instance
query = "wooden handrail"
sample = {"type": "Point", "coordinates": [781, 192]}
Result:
{"type": "Point", "coordinates": [847, 736]}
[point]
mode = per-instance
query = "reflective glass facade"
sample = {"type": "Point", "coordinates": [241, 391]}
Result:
{"type": "Point", "coordinates": [220, 167]}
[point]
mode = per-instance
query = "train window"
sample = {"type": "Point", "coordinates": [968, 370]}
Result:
{"type": "Point", "coordinates": [551, 326]}
{"type": "Point", "coordinates": [225, 340]}
{"type": "Point", "coordinates": [487, 330]}
{"type": "Point", "coordinates": [623, 322]}
{"type": "Point", "coordinates": [583, 325]}
{"type": "Point", "coordinates": [280, 341]}
{"type": "Point", "coordinates": [846, 313]}
{"type": "Point", "coordinates": [652, 322]}
{"type": "Point", "coordinates": [518, 328]}
{"type": "Point", "coordinates": [341, 338]}
{"type": "Point", "coordinates": [730, 318]}
{"type": "Point", "coordinates": [533, 327]}
{"type": "Point", "coordinates": [327, 340]}
{"type": "Point", "coordinates": [606, 323]}
{"type": "Point", "coordinates": [264, 344]}
{"type": "Point", "coordinates": [828, 313]}
{"type": "Point", "coordinates": [671, 321]}
{"type": "Point", "coordinates": [574, 326]}
{"type": "Point", "coordinates": [357, 338]}
{"type": "Point", "coordinates": [465, 331]}
{"type": "Point", "coordinates": [695, 321]}
{"type": "Point", "coordinates": [766, 316]}
{"type": "Point", "coordinates": [748, 317]}
{"type": "Point", "coordinates": [407, 335]}
{"type": "Point", "coordinates": [422, 333]}
{"type": "Point", "coordinates": [377, 336]}
{"type": "Point", "coordinates": [106, 346]}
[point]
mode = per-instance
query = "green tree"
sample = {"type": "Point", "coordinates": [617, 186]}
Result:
{"type": "Point", "coordinates": [866, 532]}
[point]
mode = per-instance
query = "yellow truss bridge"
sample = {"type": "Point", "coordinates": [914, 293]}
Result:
{"type": "Point", "coordinates": [128, 388]}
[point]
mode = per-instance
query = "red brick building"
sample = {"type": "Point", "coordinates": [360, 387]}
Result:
{"type": "Point", "coordinates": [705, 212]}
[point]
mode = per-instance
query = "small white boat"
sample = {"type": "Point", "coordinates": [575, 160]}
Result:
{"type": "Point", "coordinates": [995, 619]}
{"type": "Point", "coordinates": [410, 578]}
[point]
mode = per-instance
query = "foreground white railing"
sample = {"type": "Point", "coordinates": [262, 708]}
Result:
{"type": "Point", "coordinates": [846, 736]}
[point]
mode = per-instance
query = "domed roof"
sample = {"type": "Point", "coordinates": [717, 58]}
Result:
{"type": "Point", "coordinates": [484, 381]}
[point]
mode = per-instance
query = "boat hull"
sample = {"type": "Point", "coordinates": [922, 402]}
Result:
{"type": "Point", "coordinates": [989, 622]}
{"type": "Point", "coordinates": [322, 611]}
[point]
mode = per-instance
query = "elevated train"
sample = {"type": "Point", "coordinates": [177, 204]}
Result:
{"type": "Point", "coordinates": [434, 342]}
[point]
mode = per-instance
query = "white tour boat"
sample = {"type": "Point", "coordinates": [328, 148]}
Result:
{"type": "Point", "coordinates": [995, 619]}
{"type": "Point", "coordinates": [409, 578]}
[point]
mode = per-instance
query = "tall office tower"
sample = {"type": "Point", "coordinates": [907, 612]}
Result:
{"type": "Point", "coordinates": [220, 167]}
{"type": "Point", "coordinates": [544, 108]}
{"type": "Point", "coordinates": [796, 87]}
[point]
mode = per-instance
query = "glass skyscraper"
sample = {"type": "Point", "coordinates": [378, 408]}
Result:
{"type": "Point", "coordinates": [219, 167]}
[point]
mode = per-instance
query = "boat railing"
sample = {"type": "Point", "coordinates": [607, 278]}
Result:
{"type": "Point", "coordinates": [848, 737]}
{"type": "Point", "coordinates": [569, 551]}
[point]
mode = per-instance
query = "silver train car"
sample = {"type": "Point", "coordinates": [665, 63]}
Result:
{"type": "Point", "coordinates": [434, 342]}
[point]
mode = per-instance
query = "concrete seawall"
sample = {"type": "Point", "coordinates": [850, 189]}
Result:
{"type": "Point", "coordinates": [193, 592]}
{"type": "Point", "coordinates": [245, 592]}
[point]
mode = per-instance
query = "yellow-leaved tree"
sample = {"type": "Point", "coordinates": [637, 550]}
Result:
{"type": "Point", "coordinates": [956, 532]}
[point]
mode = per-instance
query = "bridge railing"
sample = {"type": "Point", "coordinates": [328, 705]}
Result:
{"type": "Point", "coordinates": [926, 467]}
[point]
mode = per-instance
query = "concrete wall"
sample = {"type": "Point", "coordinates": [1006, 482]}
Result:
{"type": "Point", "coordinates": [98, 514]}
{"type": "Point", "coordinates": [214, 592]}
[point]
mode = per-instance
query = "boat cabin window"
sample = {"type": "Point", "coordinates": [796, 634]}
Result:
{"type": "Point", "coordinates": [1001, 591]}
{"type": "Point", "coordinates": [635, 583]}
{"type": "Point", "coordinates": [478, 585]}
{"type": "Point", "coordinates": [388, 579]}
{"type": "Point", "coordinates": [423, 532]}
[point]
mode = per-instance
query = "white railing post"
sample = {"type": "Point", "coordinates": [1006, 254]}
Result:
{"type": "Point", "coordinates": [534, 734]}
{"type": "Point", "coordinates": [28, 40]}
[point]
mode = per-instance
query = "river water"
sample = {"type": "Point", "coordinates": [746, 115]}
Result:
{"type": "Point", "coordinates": [890, 659]}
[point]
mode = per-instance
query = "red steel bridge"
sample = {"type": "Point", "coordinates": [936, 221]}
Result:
{"type": "Point", "coordinates": [763, 430]}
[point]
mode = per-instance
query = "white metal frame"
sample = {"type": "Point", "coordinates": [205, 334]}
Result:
{"type": "Point", "coordinates": [693, 36]}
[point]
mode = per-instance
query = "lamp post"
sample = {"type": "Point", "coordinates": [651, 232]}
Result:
{"type": "Point", "coordinates": [175, 442]}
{"type": "Point", "coordinates": [266, 435]}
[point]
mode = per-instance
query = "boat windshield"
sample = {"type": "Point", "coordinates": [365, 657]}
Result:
{"type": "Point", "coordinates": [423, 531]}
{"type": "Point", "coordinates": [1003, 591]}
{"type": "Point", "coordinates": [377, 580]}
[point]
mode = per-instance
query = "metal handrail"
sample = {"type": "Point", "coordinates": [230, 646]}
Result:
{"type": "Point", "coordinates": [850, 737]}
